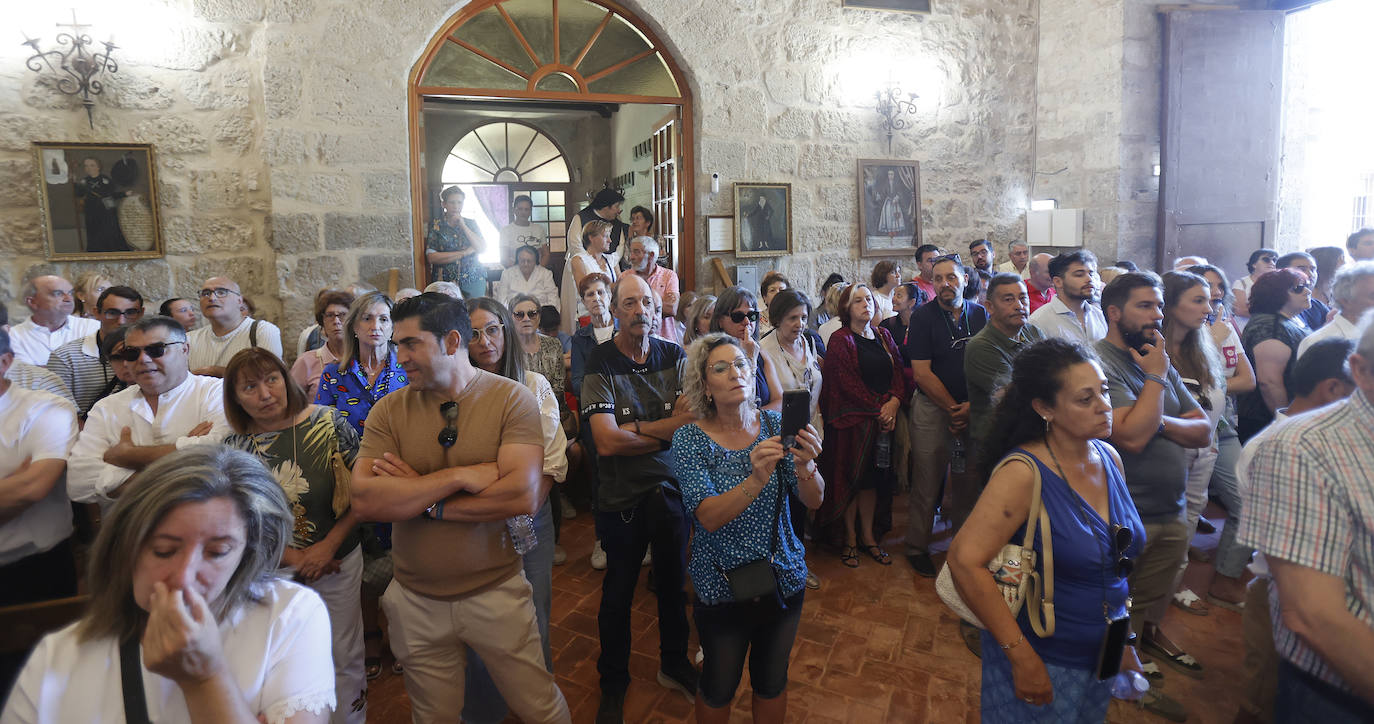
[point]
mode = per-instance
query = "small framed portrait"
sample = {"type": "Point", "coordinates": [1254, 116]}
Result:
{"type": "Point", "coordinates": [763, 219]}
{"type": "Point", "coordinates": [897, 6]}
{"type": "Point", "coordinates": [889, 207]}
{"type": "Point", "coordinates": [98, 201]}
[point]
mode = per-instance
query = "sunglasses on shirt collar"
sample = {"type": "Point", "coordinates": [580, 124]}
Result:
{"type": "Point", "coordinates": [449, 435]}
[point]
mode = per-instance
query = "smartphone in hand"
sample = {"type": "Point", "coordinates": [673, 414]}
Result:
{"type": "Point", "coordinates": [796, 414]}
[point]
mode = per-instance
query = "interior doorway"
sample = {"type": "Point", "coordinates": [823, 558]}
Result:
{"type": "Point", "coordinates": [555, 100]}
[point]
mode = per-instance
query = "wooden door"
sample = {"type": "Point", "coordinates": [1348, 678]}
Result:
{"type": "Point", "coordinates": [1220, 139]}
{"type": "Point", "coordinates": [667, 143]}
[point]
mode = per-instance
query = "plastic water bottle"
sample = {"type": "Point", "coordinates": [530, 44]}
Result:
{"type": "Point", "coordinates": [1129, 685]}
{"type": "Point", "coordinates": [522, 535]}
{"type": "Point", "coordinates": [958, 459]}
{"type": "Point", "coordinates": [882, 451]}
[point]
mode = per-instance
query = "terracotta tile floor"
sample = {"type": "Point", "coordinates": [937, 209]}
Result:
{"type": "Point", "coordinates": [875, 645]}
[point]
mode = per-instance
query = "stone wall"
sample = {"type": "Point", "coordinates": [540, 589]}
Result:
{"type": "Point", "coordinates": [280, 126]}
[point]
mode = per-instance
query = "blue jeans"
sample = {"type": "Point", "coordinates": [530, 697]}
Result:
{"type": "Point", "coordinates": [658, 522]}
{"type": "Point", "coordinates": [483, 702]}
{"type": "Point", "coordinates": [759, 629]}
{"type": "Point", "coordinates": [1304, 699]}
{"type": "Point", "coordinates": [1232, 557]}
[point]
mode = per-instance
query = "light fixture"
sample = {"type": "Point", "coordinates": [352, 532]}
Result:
{"type": "Point", "coordinates": [1044, 205]}
{"type": "Point", "coordinates": [892, 106]}
{"type": "Point", "coordinates": [1156, 169]}
{"type": "Point", "coordinates": [75, 69]}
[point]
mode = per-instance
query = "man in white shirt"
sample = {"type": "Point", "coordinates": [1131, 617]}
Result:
{"type": "Point", "coordinates": [1353, 294]}
{"type": "Point", "coordinates": [520, 232]}
{"type": "Point", "coordinates": [527, 277]}
{"type": "Point", "coordinates": [1071, 314]}
{"type": "Point", "coordinates": [36, 434]}
{"type": "Point", "coordinates": [78, 363]}
{"type": "Point", "coordinates": [52, 324]}
{"type": "Point", "coordinates": [662, 280]}
{"type": "Point", "coordinates": [228, 329]}
{"type": "Point", "coordinates": [1018, 253]}
{"type": "Point", "coordinates": [167, 409]}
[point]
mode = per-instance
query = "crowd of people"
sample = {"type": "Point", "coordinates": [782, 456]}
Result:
{"type": "Point", "coordinates": [222, 490]}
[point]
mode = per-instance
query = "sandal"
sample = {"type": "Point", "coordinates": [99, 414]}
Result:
{"type": "Point", "coordinates": [372, 667]}
{"type": "Point", "coordinates": [1190, 602]}
{"type": "Point", "coordinates": [1181, 661]}
{"type": "Point", "coordinates": [878, 554]}
{"type": "Point", "coordinates": [850, 557]}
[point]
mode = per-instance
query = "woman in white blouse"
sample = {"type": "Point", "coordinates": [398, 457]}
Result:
{"type": "Point", "coordinates": [527, 277]}
{"type": "Point", "coordinates": [185, 558]}
{"type": "Point", "coordinates": [596, 237]}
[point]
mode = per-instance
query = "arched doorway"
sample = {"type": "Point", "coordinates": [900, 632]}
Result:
{"type": "Point", "coordinates": [580, 53]}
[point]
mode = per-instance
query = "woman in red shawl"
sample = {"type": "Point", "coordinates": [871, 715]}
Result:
{"type": "Point", "coordinates": [861, 393]}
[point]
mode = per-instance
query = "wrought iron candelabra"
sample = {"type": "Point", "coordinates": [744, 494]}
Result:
{"type": "Point", "coordinates": [75, 69]}
{"type": "Point", "coordinates": [893, 106]}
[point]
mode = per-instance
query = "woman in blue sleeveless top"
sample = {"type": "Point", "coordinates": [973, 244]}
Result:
{"type": "Point", "coordinates": [1056, 412]}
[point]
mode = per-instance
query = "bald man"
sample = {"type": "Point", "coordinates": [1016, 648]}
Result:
{"type": "Point", "coordinates": [228, 328]}
{"type": "Point", "coordinates": [1039, 284]}
{"type": "Point", "coordinates": [51, 323]}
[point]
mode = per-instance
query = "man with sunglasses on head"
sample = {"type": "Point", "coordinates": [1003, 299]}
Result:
{"type": "Point", "coordinates": [52, 323]}
{"type": "Point", "coordinates": [936, 337]}
{"type": "Point", "coordinates": [631, 385]}
{"type": "Point", "coordinates": [167, 409]}
{"type": "Point", "coordinates": [79, 364]}
{"type": "Point", "coordinates": [228, 328]}
{"type": "Point", "coordinates": [448, 459]}
{"type": "Point", "coordinates": [1155, 419]}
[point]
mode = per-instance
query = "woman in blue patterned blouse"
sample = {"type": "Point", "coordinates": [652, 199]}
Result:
{"type": "Point", "coordinates": [732, 468]}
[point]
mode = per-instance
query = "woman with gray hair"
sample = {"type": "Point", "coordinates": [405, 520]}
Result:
{"type": "Point", "coordinates": [737, 314]}
{"type": "Point", "coordinates": [735, 476]}
{"type": "Point", "coordinates": [187, 556]}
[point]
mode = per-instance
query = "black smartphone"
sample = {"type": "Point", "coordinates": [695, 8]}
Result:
{"type": "Point", "coordinates": [796, 413]}
{"type": "Point", "coordinates": [1113, 646]}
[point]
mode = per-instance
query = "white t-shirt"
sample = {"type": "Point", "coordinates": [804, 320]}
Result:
{"type": "Point", "coordinates": [35, 426]}
{"type": "Point", "coordinates": [514, 236]}
{"type": "Point", "coordinates": [33, 343]}
{"type": "Point", "coordinates": [1337, 328]}
{"type": "Point", "coordinates": [278, 655]}
{"type": "Point", "coordinates": [210, 350]}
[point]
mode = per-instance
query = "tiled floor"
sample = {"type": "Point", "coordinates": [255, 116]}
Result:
{"type": "Point", "coordinates": [875, 645]}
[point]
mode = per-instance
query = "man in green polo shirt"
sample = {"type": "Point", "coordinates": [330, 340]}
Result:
{"type": "Point", "coordinates": [988, 356]}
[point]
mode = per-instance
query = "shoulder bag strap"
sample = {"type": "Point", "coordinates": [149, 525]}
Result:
{"type": "Point", "coordinates": [131, 679]}
{"type": "Point", "coordinates": [253, 333]}
{"type": "Point", "coordinates": [1041, 583]}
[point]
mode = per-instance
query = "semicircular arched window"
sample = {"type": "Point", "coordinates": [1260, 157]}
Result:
{"type": "Point", "coordinates": [505, 152]}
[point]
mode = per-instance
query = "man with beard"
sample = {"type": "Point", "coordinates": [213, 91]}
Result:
{"type": "Point", "coordinates": [632, 383]}
{"type": "Point", "coordinates": [644, 263]}
{"type": "Point", "coordinates": [988, 356]}
{"type": "Point", "coordinates": [1155, 420]}
{"type": "Point", "coordinates": [1072, 314]}
{"type": "Point", "coordinates": [936, 336]}
{"type": "Point", "coordinates": [983, 255]}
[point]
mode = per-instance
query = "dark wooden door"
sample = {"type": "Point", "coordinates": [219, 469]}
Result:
{"type": "Point", "coordinates": [1223, 90]}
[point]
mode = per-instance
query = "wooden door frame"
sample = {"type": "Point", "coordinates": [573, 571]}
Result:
{"type": "Point", "coordinates": [415, 97]}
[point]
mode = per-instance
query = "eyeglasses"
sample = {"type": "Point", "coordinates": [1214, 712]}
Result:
{"type": "Point", "coordinates": [449, 435]}
{"type": "Point", "coordinates": [131, 312]}
{"type": "Point", "coordinates": [154, 350]}
{"type": "Point", "coordinates": [723, 366]}
{"type": "Point", "coordinates": [1122, 537]}
{"type": "Point", "coordinates": [335, 315]}
{"type": "Point", "coordinates": [526, 315]}
{"type": "Point", "coordinates": [947, 257]}
{"type": "Point", "coordinates": [492, 332]}
{"type": "Point", "coordinates": [739, 317]}
{"type": "Point", "coordinates": [1300, 288]}
{"type": "Point", "coordinates": [218, 292]}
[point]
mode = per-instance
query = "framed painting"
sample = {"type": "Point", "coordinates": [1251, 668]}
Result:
{"type": "Point", "coordinates": [889, 207]}
{"type": "Point", "coordinates": [98, 201]}
{"type": "Point", "coordinates": [899, 6]}
{"type": "Point", "coordinates": [763, 219]}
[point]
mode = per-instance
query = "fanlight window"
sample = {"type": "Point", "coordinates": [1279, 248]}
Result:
{"type": "Point", "coordinates": [505, 152]}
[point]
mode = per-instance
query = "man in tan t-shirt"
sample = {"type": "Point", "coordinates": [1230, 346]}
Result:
{"type": "Point", "coordinates": [448, 459]}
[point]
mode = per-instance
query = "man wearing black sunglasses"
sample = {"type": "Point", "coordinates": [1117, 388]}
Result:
{"type": "Point", "coordinates": [167, 409]}
{"type": "Point", "coordinates": [448, 459]}
{"type": "Point", "coordinates": [78, 363]}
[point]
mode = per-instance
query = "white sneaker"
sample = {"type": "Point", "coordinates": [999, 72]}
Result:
{"type": "Point", "coordinates": [560, 556]}
{"type": "Point", "coordinates": [566, 507]}
{"type": "Point", "coordinates": [701, 655]}
{"type": "Point", "coordinates": [648, 558]}
{"type": "Point", "coordinates": [598, 557]}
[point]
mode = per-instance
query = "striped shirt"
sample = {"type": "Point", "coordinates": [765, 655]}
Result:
{"type": "Point", "coordinates": [78, 364]}
{"type": "Point", "coordinates": [33, 377]}
{"type": "Point", "coordinates": [1311, 503]}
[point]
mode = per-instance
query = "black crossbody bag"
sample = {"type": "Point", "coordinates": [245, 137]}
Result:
{"type": "Point", "coordinates": [131, 679]}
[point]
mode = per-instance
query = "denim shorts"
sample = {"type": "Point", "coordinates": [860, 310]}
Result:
{"type": "Point", "coordinates": [759, 629]}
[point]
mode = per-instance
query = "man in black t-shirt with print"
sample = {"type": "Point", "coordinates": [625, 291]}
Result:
{"type": "Point", "coordinates": [936, 337]}
{"type": "Point", "coordinates": [631, 385]}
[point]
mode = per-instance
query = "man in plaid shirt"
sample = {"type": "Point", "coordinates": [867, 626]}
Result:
{"type": "Point", "coordinates": [1310, 510]}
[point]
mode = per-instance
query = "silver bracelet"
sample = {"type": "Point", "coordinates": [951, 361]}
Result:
{"type": "Point", "coordinates": [1162, 382]}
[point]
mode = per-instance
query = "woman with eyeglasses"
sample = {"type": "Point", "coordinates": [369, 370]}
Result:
{"type": "Point", "coordinates": [366, 371]}
{"type": "Point", "coordinates": [1056, 413]}
{"type": "Point", "coordinates": [861, 396]}
{"type": "Point", "coordinates": [1271, 340]}
{"type": "Point", "coordinates": [737, 314]}
{"type": "Point", "coordinates": [495, 347]}
{"type": "Point", "coordinates": [1261, 262]}
{"type": "Point", "coordinates": [736, 479]}
{"type": "Point", "coordinates": [543, 354]}
{"type": "Point", "coordinates": [183, 310]}
{"type": "Point", "coordinates": [331, 309]}
{"type": "Point", "coordinates": [309, 450]}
